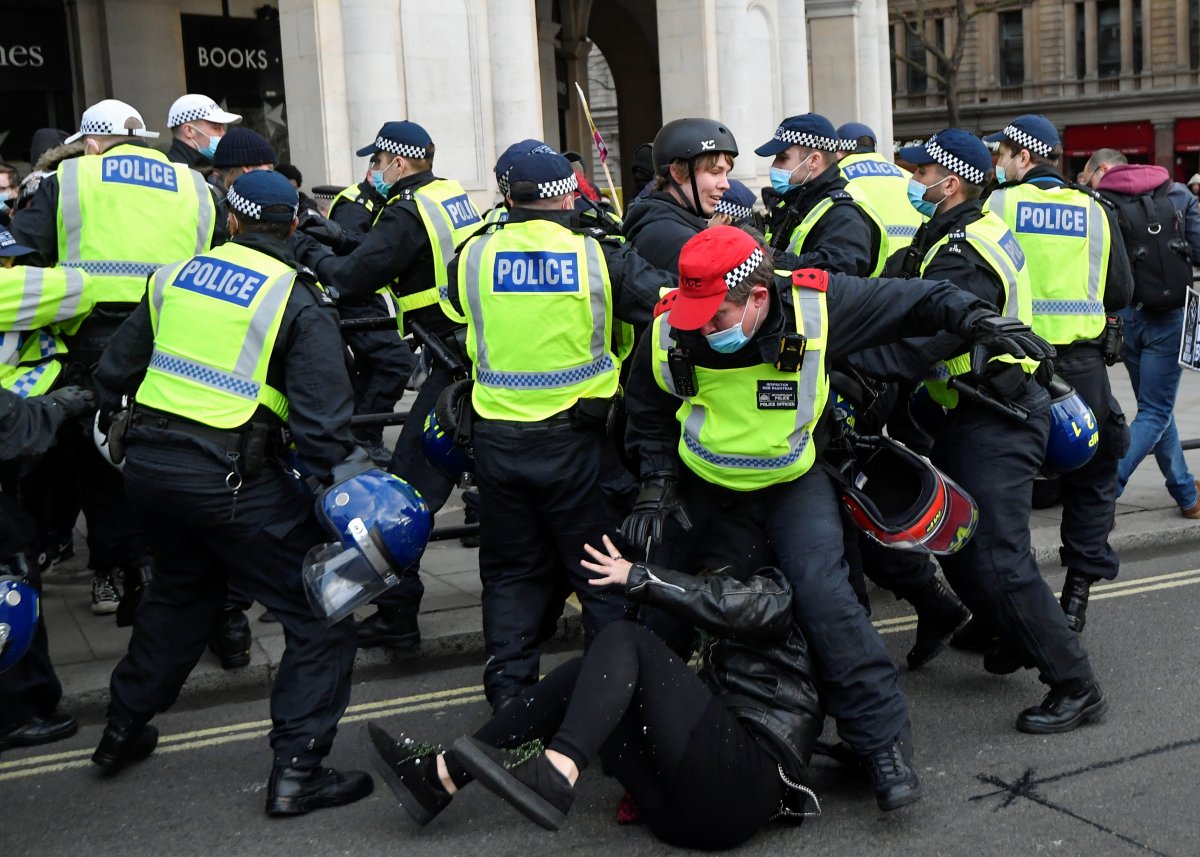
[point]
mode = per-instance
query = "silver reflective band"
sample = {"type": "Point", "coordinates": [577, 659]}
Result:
{"type": "Point", "coordinates": [112, 268]}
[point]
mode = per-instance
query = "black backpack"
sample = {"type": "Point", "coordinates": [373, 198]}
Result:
{"type": "Point", "coordinates": [1152, 229]}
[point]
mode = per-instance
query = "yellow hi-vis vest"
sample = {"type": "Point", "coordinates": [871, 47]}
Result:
{"type": "Point", "coordinates": [29, 363]}
{"type": "Point", "coordinates": [882, 185]}
{"type": "Point", "coordinates": [354, 194]}
{"type": "Point", "coordinates": [123, 213]}
{"type": "Point", "coordinates": [538, 305]}
{"type": "Point", "coordinates": [1065, 236]}
{"type": "Point", "coordinates": [800, 233]}
{"type": "Point", "coordinates": [215, 321]}
{"type": "Point", "coordinates": [449, 217]}
{"type": "Point", "coordinates": [993, 240]}
{"type": "Point", "coordinates": [750, 428]}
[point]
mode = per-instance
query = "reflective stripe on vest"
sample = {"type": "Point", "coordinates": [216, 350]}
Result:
{"type": "Point", "coordinates": [125, 212]}
{"type": "Point", "coordinates": [28, 364]}
{"type": "Point", "coordinates": [449, 218]}
{"type": "Point", "coordinates": [349, 195]}
{"type": "Point", "coordinates": [747, 416]}
{"type": "Point", "coordinates": [872, 179]}
{"type": "Point", "coordinates": [538, 304]}
{"type": "Point", "coordinates": [34, 298]}
{"type": "Point", "coordinates": [496, 214]}
{"type": "Point", "coordinates": [800, 233]}
{"type": "Point", "coordinates": [993, 240]}
{"type": "Point", "coordinates": [1065, 236]}
{"type": "Point", "coordinates": [215, 321]}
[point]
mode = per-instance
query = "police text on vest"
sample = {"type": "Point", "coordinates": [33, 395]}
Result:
{"type": "Point", "coordinates": [217, 278]}
{"type": "Point", "coordinates": [535, 271]}
{"type": "Point", "coordinates": [131, 169]}
{"type": "Point", "coordinates": [1051, 218]}
{"type": "Point", "coordinates": [460, 211]}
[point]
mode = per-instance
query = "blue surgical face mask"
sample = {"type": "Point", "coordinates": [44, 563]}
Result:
{"type": "Point", "coordinates": [731, 338]}
{"type": "Point", "coordinates": [380, 185]}
{"type": "Point", "coordinates": [781, 179]}
{"type": "Point", "coordinates": [211, 149]}
{"type": "Point", "coordinates": [1001, 178]}
{"type": "Point", "coordinates": [916, 195]}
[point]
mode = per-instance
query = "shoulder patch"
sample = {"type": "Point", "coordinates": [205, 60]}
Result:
{"type": "Point", "coordinates": [811, 278]}
{"type": "Point", "coordinates": [666, 302]}
{"type": "Point", "coordinates": [840, 194]}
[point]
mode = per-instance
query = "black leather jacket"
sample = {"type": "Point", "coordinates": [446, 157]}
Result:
{"type": "Point", "coordinates": [758, 660]}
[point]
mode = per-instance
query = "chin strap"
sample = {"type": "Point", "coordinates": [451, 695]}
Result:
{"type": "Point", "coordinates": [693, 208]}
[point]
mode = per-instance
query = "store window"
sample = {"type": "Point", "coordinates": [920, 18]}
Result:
{"type": "Point", "coordinates": [1012, 48]}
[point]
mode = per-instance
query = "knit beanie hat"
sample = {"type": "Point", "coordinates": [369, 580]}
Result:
{"type": "Point", "coordinates": [243, 147]}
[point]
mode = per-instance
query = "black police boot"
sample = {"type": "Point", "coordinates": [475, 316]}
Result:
{"type": "Point", "coordinates": [1062, 712]}
{"type": "Point", "coordinates": [387, 628]}
{"type": "Point", "coordinates": [975, 636]}
{"type": "Point", "coordinates": [896, 783]}
{"type": "Point", "coordinates": [939, 615]}
{"type": "Point", "coordinates": [410, 771]}
{"type": "Point", "coordinates": [230, 638]}
{"type": "Point", "coordinates": [296, 791]}
{"type": "Point", "coordinates": [123, 743]}
{"type": "Point", "coordinates": [40, 729]}
{"type": "Point", "coordinates": [528, 781]}
{"type": "Point", "coordinates": [132, 593]}
{"type": "Point", "coordinates": [1076, 589]}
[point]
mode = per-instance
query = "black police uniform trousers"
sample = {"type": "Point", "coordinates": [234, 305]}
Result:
{"type": "Point", "coordinates": [995, 459]}
{"type": "Point", "coordinates": [540, 499]}
{"type": "Point", "coordinates": [382, 363]}
{"type": "Point", "coordinates": [204, 536]}
{"type": "Point", "coordinates": [30, 688]}
{"type": "Point", "coordinates": [1089, 494]}
{"type": "Point", "coordinates": [796, 525]}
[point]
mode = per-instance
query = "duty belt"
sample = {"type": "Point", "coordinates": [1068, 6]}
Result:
{"type": "Point", "coordinates": [227, 439]}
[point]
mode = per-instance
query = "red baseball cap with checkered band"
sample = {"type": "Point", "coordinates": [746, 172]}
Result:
{"type": "Point", "coordinates": [711, 263]}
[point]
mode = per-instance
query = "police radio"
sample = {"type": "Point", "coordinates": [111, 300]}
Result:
{"type": "Point", "coordinates": [1113, 339]}
{"type": "Point", "coordinates": [791, 352]}
{"type": "Point", "coordinates": [683, 372]}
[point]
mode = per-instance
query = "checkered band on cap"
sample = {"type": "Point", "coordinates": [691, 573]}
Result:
{"type": "Point", "coordinates": [737, 212]}
{"type": "Point", "coordinates": [192, 114]}
{"type": "Point", "coordinates": [558, 187]}
{"type": "Point", "coordinates": [253, 210]}
{"type": "Point", "coordinates": [1027, 141]}
{"type": "Point", "coordinates": [732, 278]}
{"type": "Point", "coordinates": [404, 150]}
{"type": "Point", "coordinates": [92, 126]}
{"type": "Point", "coordinates": [811, 141]}
{"type": "Point", "coordinates": [954, 163]}
{"type": "Point", "coordinates": [502, 181]}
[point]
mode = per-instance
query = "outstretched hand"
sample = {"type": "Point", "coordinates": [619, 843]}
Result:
{"type": "Point", "coordinates": [612, 568]}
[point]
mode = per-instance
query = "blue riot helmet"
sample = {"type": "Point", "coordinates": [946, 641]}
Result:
{"type": "Point", "coordinates": [381, 525]}
{"type": "Point", "coordinates": [19, 607]}
{"type": "Point", "coordinates": [439, 439]}
{"type": "Point", "coordinates": [1074, 435]}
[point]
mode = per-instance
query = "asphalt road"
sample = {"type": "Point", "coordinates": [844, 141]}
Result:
{"type": "Point", "coordinates": [1126, 786]}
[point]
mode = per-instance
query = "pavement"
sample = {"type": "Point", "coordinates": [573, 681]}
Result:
{"type": "Point", "coordinates": [85, 647]}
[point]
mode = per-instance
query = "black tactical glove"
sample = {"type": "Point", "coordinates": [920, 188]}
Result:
{"type": "Point", "coordinates": [997, 334]}
{"type": "Point", "coordinates": [657, 501]}
{"type": "Point", "coordinates": [75, 401]}
{"type": "Point", "coordinates": [327, 231]}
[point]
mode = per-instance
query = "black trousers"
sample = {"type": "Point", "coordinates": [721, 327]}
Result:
{"type": "Point", "coordinates": [540, 499]}
{"type": "Point", "coordinates": [699, 777]}
{"type": "Point", "coordinates": [202, 541]}
{"type": "Point", "coordinates": [994, 459]}
{"type": "Point", "coordinates": [31, 687]}
{"type": "Point", "coordinates": [1089, 494]}
{"type": "Point", "coordinates": [382, 363]}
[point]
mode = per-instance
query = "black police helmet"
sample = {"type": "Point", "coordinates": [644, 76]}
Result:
{"type": "Point", "coordinates": [684, 139]}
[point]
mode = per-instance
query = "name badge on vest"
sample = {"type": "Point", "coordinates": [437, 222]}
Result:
{"type": "Point", "coordinates": [1051, 218]}
{"type": "Point", "coordinates": [460, 211]}
{"type": "Point", "coordinates": [145, 172]}
{"type": "Point", "coordinates": [216, 278]}
{"type": "Point", "coordinates": [535, 271]}
{"type": "Point", "coordinates": [777, 395]}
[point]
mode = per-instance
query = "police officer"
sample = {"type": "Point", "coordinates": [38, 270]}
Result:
{"type": "Point", "coordinates": [692, 160]}
{"type": "Point", "coordinates": [1080, 271]}
{"type": "Point", "coordinates": [873, 179]}
{"type": "Point", "coordinates": [736, 207]}
{"type": "Point", "coordinates": [116, 215]}
{"type": "Point", "coordinates": [724, 402]}
{"type": "Point", "coordinates": [816, 219]}
{"type": "Point", "coordinates": [542, 298]}
{"type": "Point", "coordinates": [499, 212]}
{"type": "Point", "coordinates": [407, 250]}
{"type": "Point", "coordinates": [994, 457]}
{"type": "Point", "coordinates": [197, 125]}
{"type": "Point", "coordinates": [220, 359]}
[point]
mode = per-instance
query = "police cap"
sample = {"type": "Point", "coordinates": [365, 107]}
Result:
{"type": "Point", "coordinates": [811, 130]}
{"type": "Point", "coordinates": [1029, 131]}
{"type": "Point", "coordinates": [737, 202]}
{"type": "Point", "coordinates": [542, 175]}
{"type": "Point", "coordinates": [959, 151]}
{"type": "Point", "coordinates": [403, 138]}
{"type": "Point", "coordinates": [9, 246]}
{"type": "Point", "coordinates": [259, 190]}
{"type": "Point", "coordinates": [852, 132]}
{"type": "Point", "coordinates": [112, 118]}
{"type": "Point", "coordinates": [510, 156]}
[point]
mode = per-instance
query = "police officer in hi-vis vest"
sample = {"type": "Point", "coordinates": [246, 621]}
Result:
{"type": "Point", "coordinates": [993, 457]}
{"type": "Point", "coordinates": [724, 402]}
{"type": "Point", "coordinates": [228, 349]}
{"type": "Point", "coordinates": [814, 218]}
{"type": "Point", "coordinates": [873, 179]}
{"type": "Point", "coordinates": [545, 304]}
{"type": "Point", "coordinates": [406, 250]}
{"type": "Point", "coordinates": [116, 215]}
{"type": "Point", "coordinates": [1080, 271]}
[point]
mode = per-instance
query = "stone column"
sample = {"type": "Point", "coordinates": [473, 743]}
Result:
{"type": "Point", "coordinates": [1090, 47]}
{"type": "Point", "coordinates": [547, 37]}
{"type": "Point", "coordinates": [687, 53]}
{"type": "Point", "coordinates": [516, 85]}
{"type": "Point", "coordinates": [1127, 43]}
{"type": "Point", "coordinates": [834, 60]}
{"type": "Point", "coordinates": [792, 17]}
{"type": "Point", "coordinates": [374, 72]}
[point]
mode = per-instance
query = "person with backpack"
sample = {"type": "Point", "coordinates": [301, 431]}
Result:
{"type": "Point", "coordinates": [1160, 225]}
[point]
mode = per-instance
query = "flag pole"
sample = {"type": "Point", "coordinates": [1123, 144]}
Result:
{"type": "Point", "coordinates": [598, 141]}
